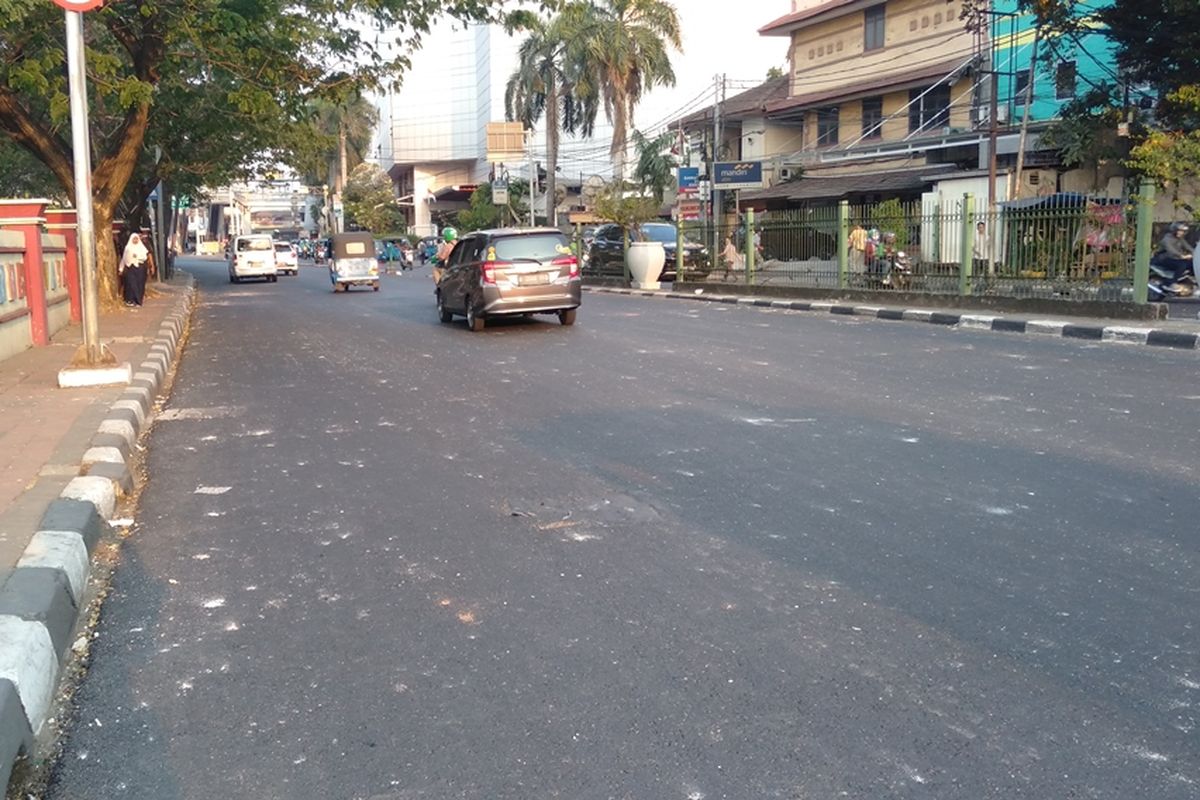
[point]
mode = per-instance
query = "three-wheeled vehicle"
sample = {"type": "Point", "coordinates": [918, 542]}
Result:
{"type": "Point", "coordinates": [352, 261]}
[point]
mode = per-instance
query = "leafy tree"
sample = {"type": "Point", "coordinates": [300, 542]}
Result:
{"type": "Point", "coordinates": [655, 169]}
{"type": "Point", "coordinates": [774, 73]}
{"type": "Point", "coordinates": [254, 62]}
{"type": "Point", "coordinates": [544, 84]}
{"type": "Point", "coordinates": [620, 49]}
{"type": "Point", "coordinates": [484, 213]}
{"type": "Point", "coordinates": [370, 201]}
{"type": "Point", "coordinates": [1157, 44]}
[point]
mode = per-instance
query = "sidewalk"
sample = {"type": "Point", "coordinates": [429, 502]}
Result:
{"type": "Point", "coordinates": [45, 430]}
{"type": "Point", "coordinates": [1182, 332]}
{"type": "Point", "coordinates": [65, 458]}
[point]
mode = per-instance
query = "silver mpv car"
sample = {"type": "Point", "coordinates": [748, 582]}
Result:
{"type": "Point", "coordinates": [510, 271]}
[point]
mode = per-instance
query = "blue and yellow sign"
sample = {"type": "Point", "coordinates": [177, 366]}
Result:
{"type": "Point", "coordinates": [738, 175]}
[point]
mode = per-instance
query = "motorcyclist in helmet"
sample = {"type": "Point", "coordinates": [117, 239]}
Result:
{"type": "Point", "coordinates": [1174, 251]}
{"type": "Point", "coordinates": [449, 237]}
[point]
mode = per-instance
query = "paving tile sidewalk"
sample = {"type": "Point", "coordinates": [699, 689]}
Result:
{"type": "Point", "coordinates": [45, 430]}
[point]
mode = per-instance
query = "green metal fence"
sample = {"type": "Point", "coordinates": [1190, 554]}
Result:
{"type": "Point", "coordinates": [1065, 247]}
{"type": "Point", "coordinates": [1078, 249]}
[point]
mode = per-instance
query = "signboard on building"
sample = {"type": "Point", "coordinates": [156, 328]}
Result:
{"type": "Point", "coordinates": [738, 175]}
{"type": "Point", "coordinates": [688, 210]}
{"type": "Point", "coordinates": [505, 142]}
{"type": "Point", "coordinates": [689, 180]}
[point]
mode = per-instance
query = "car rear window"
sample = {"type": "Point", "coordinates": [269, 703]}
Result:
{"type": "Point", "coordinates": [540, 246]}
{"type": "Point", "coordinates": [282, 247]}
{"type": "Point", "coordinates": [254, 244]}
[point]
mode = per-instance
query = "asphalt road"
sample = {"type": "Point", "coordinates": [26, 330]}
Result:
{"type": "Point", "coordinates": [679, 550]}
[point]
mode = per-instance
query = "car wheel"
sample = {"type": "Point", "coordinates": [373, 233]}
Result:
{"type": "Point", "coordinates": [443, 314]}
{"type": "Point", "coordinates": [567, 316]}
{"type": "Point", "coordinates": [474, 321]}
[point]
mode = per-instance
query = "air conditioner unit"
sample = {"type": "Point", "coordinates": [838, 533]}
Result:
{"type": "Point", "coordinates": [983, 115]}
{"type": "Point", "coordinates": [786, 173]}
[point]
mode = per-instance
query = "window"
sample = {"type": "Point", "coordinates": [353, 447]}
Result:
{"type": "Point", "coordinates": [1064, 81]}
{"type": "Point", "coordinates": [872, 117]}
{"type": "Point", "coordinates": [1020, 87]}
{"type": "Point", "coordinates": [929, 109]}
{"type": "Point", "coordinates": [873, 28]}
{"type": "Point", "coordinates": [827, 126]}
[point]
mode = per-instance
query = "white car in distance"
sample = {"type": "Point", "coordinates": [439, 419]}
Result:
{"type": "Point", "coordinates": [286, 259]}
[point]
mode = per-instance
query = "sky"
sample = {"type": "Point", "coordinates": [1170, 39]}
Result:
{"type": "Point", "coordinates": [718, 37]}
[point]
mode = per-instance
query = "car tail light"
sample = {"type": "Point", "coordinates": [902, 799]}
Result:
{"type": "Point", "coordinates": [567, 261]}
{"type": "Point", "coordinates": [489, 272]}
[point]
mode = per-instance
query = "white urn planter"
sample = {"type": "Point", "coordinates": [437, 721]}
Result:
{"type": "Point", "coordinates": [645, 261]}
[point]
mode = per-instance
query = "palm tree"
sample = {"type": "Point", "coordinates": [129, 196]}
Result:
{"type": "Point", "coordinates": [543, 84]}
{"type": "Point", "coordinates": [621, 49]}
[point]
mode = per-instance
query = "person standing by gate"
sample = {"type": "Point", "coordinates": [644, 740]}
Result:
{"type": "Point", "coordinates": [133, 271]}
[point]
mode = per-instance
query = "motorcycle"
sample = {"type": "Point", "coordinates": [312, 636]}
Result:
{"type": "Point", "coordinates": [1167, 283]}
{"type": "Point", "coordinates": [898, 271]}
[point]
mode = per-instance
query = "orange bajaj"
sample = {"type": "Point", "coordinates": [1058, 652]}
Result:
{"type": "Point", "coordinates": [508, 272]}
{"type": "Point", "coordinates": [352, 261]}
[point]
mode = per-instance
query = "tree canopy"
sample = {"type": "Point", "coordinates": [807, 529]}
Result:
{"type": "Point", "coordinates": [220, 87]}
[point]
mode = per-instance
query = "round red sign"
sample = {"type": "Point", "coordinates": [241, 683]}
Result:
{"type": "Point", "coordinates": [79, 5]}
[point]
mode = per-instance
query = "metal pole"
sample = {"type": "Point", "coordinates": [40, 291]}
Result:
{"type": "Point", "coordinates": [843, 252]}
{"type": "Point", "coordinates": [162, 234]}
{"type": "Point", "coordinates": [750, 247]}
{"type": "Point", "coordinates": [1143, 245]}
{"type": "Point", "coordinates": [77, 82]}
{"type": "Point", "coordinates": [966, 251]}
{"type": "Point", "coordinates": [712, 177]}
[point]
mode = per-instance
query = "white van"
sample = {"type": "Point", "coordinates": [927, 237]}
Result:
{"type": "Point", "coordinates": [252, 256]}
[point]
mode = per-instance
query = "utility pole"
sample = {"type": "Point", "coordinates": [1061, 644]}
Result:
{"type": "Point", "coordinates": [718, 99]}
{"type": "Point", "coordinates": [91, 353]}
{"type": "Point", "coordinates": [1016, 185]}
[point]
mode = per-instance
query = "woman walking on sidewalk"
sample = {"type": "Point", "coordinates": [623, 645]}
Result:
{"type": "Point", "coordinates": [133, 271]}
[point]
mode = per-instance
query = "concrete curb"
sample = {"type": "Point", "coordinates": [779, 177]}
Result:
{"type": "Point", "coordinates": [1120, 334]}
{"type": "Point", "coordinates": [41, 598]}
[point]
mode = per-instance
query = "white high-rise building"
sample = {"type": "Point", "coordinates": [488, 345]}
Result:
{"type": "Point", "coordinates": [432, 136]}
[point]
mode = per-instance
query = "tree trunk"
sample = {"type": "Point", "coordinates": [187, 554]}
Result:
{"type": "Point", "coordinates": [552, 130]}
{"type": "Point", "coordinates": [620, 137]}
{"type": "Point", "coordinates": [107, 281]}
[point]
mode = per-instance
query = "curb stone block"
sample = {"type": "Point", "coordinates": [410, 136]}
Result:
{"type": "Point", "coordinates": [1051, 327]}
{"type": "Point", "coordinates": [1185, 341]}
{"type": "Point", "coordinates": [1009, 325]}
{"type": "Point", "coordinates": [41, 594]}
{"type": "Point", "coordinates": [148, 378]}
{"type": "Point", "coordinates": [842, 310]}
{"type": "Point", "coordinates": [134, 406]}
{"type": "Point", "coordinates": [29, 662]}
{"type": "Point", "coordinates": [1119, 333]}
{"type": "Point", "coordinates": [119, 474]}
{"type": "Point", "coordinates": [942, 318]}
{"type": "Point", "coordinates": [125, 415]}
{"type": "Point", "coordinates": [976, 322]}
{"type": "Point", "coordinates": [15, 736]}
{"type": "Point", "coordinates": [94, 489]}
{"type": "Point", "coordinates": [119, 427]}
{"type": "Point", "coordinates": [891, 313]}
{"type": "Point", "coordinates": [103, 455]}
{"type": "Point", "coordinates": [867, 311]}
{"type": "Point", "coordinates": [106, 440]}
{"type": "Point", "coordinates": [919, 314]}
{"type": "Point", "coordinates": [60, 550]}
{"type": "Point", "coordinates": [1092, 332]}
{"type": "Point", "coordinates": [75, 516]}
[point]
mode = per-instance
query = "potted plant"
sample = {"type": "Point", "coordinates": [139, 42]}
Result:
{"type": "Point", "coordinates": [629, 208]}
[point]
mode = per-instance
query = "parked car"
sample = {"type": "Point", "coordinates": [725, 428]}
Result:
{"type": "Point", "coordinates": [510, 271]}
{"type": "Point", "coordinates": [252, 256]}
{"type": "Point", "coordinates": [606, 255]}
{"type": "Point", "coordinates": [287, 260]}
